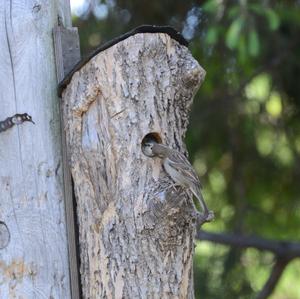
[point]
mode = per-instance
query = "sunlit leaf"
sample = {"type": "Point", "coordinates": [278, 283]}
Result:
{"type": "Point", "coordinates": [217, 181]}
{"type": "Point", "coordinates": [285, 155]}
{"type": "Point", "coordinates": [273, 19]}
{"type": "Point", "coordinates": [259, 88]}
{"type": "Point", "coordinates": [290, 278]}
{"type": "Point", "coordinates": [200, 166]}
{"type": "Point", "coordinates": [233, 33]}
{"type": "Point", "coordinates": [256, 271]}
{"type": "Point", "coordinates": [227, 212]}
{"type": "Point", "coordinates": [274, 105]}
{"type": "Point", "coordinates": [253, 43]}
{"type": "Point", "coordinates": [265, 140]}
{"type": "Point", "coordinates": [283, 152]}
{"type": "Point", "coordinates": [267, 204]}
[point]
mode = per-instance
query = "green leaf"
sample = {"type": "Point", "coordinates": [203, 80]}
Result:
{"type": "Point", "coordinates": [233, 33]}
{"type": "Point", "coordinates": [212, 36]}
{"type": "Point", "coordinates": [253, 43]}
{"type": "Point", "coordinates": [242, 49]}
{"type": "Point", "coordinates": [210, 6]}
{"type": "Point", "coordinates": [273, 19]}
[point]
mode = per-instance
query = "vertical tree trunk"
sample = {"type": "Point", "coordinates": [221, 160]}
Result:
{"type": "Point", "coordinates": [33, 244]}
{"type": "Point", "coordinates": [136, 231]}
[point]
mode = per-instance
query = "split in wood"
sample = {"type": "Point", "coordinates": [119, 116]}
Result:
{"type": "Point", "coordinates": [4, 235]}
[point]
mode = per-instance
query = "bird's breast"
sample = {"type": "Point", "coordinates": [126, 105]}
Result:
{"type": "Point", "coordinates": [172, 172]}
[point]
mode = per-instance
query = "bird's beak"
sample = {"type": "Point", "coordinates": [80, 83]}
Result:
{"type": "Point", "coordinates": [32, 121]}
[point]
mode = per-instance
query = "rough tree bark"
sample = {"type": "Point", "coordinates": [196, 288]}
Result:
{"type": "Point", "coordinates": [136, 231]}
{"type": "Point", "coordinates": [33, 243]}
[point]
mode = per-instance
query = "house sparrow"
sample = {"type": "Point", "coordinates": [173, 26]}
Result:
{"type": "Point", "coordinates": [180, 170]}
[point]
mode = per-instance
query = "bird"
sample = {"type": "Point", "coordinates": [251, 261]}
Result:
{"type": "Point", "coordinates": [180, 170]}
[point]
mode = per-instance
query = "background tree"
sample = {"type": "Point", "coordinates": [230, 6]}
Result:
{"type": "Point", "coordinates": [244, 135]}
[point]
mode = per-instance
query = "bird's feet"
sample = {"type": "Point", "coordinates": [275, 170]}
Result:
{"type": "Point", "coordinates": [207, 216]}
{"type": "Point", "coordinates": [175, 187]}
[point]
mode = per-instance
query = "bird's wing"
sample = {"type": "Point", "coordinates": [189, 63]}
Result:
{"type": "Point", "coordinates": [182, 165]}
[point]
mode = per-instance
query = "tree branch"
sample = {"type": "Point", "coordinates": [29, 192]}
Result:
{"type": "Point", "coordinates": [275, 275]}
{"type": "Point", "coordinates": [288, 250]}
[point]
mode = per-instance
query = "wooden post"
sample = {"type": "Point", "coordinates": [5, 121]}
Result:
{"type": "Point", "coordinates": [136, 231]}
{"type": "Point", "coordinates": [67, 54]}
{"type": "Point", "coordinates": [33, 241]}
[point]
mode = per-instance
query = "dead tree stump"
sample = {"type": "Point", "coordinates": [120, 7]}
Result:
{"type": "Point", "coordinates": [136, 233]}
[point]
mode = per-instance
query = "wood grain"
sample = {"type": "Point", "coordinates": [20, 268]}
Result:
{"type": "Point", "coordinates": [34, 264]}
{"type": "Point", "coordinates": [67, 54]}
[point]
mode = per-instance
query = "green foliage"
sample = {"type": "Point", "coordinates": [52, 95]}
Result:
{"type": "Point", "coordinates": [273, 19]}
{"type": "Point", "coordinates": [253, 43]}
{"type": "Point", "coordinates": [244, 135]}
{"type": "Point", "coordinates": [233, 33]}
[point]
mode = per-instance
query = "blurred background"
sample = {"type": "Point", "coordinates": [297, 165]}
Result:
{"type": "Point", "coordinates": [244, 133]}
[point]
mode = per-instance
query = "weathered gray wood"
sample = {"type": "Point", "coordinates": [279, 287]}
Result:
{"type": "Point", "coordinates": [34, 263]}
{"type": "Point", "coordinates": [67, 49]}
{"type": "Point", "coordinates": [67, 54]}
{"type": "Point", "coordinates": [136, 231]}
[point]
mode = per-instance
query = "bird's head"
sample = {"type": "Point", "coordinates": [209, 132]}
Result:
{"type": "Point", "coordinates": [147, 148]}
{"type": "Point", "coordinates": [151, 148]}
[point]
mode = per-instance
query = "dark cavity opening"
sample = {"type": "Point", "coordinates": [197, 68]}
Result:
{"type": "Point", "coordinates": [153, 136]}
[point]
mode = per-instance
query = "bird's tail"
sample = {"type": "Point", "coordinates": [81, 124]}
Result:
{"type": "Point", "coordinates": [201, 201]}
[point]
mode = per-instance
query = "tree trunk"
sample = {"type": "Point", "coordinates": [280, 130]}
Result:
{"type": "Point", "coordinates": [136, 231]}
{"type": "Point", "coordinates": [33, 244]}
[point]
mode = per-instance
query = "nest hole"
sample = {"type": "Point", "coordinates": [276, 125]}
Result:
{"type": "Point", "coordinates": [153, 136]}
